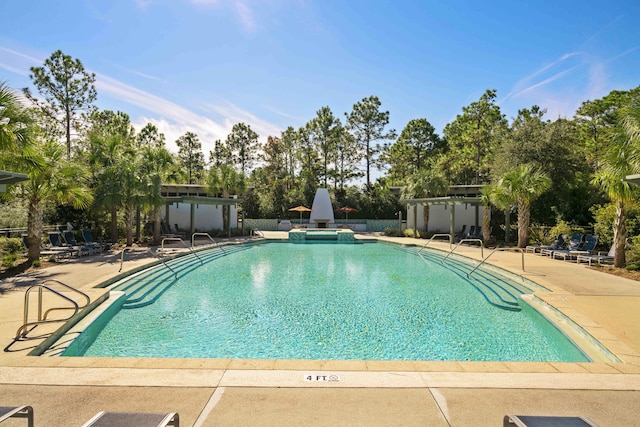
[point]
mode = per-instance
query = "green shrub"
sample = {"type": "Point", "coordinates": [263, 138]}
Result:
{"type": "Point", "coordinates": [9, 259]}
{"type": "Point", "coordinates": [561, 227]}
{"type": "Point", "coordinates": [539, 235]}
{"type": "Point", "coordinates": [393, 232]}
{"type": "Point", "coordinates": [633, 254]}
{"type": "Point", "coordinates": [409, 233]}
{"type": "Point", "coordinates": [10, 245]}
{"type": "Point", "coordinates": [36, 263]}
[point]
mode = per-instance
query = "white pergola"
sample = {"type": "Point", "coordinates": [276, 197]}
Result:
{"type": "Point", "coordinates": [8, 178]}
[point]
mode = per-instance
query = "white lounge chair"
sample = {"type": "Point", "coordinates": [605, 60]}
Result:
{"type": "Point", "coordinates": [600, 257]}
{"type": "Point", "coordinates": [128, 419]}
{"type": "Point", "coordinates": [546, 421]}
{"type": "Point", "coordinates": [7, 412]}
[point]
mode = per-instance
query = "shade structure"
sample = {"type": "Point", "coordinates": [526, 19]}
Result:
{"type": "Point", "coordinates": [300, 209]}
{"type": "Point", "coordinates": [346, 210]}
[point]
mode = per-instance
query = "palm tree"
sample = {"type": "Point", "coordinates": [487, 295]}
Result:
{"type": "Point", "coordinates": [14, 121]}
{"type": "Point", "coordinates": [226, 180]}
{"type": "Point", "coordinates": [57, 181]}
{"type": "Point", "coordinates": [622, 158]}
{"type": "Point", "coordinates": [520, 187]}
{"type": "Point", "coordinates": [154, 162]}
{"type": "Point", "coordinates": [423, 185]}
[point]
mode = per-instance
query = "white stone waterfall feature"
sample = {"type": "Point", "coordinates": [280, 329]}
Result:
{"type": "Point", "coordinates": [322, 210]}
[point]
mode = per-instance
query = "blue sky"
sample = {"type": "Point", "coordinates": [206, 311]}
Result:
{"type": "Point", "coordinates": [204, 65]}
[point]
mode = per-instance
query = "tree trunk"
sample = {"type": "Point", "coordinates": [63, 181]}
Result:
{"type": "Point", "coordinates": [114, 224]}
{"type": "Point", "coordinates": [128, 223]}
{"type": "Point", "coordinates": [524, 215]}
{"type": "Point", "coordinates": [620, 235]}
{"type": "Point", "coordinates": [425, 217]}
{"type": "Point", "coordinates": [486, 224]}
{"type": "Point", "coordinates": [156, 227]}
{"type": "Point", "coordinates": [34, 229]}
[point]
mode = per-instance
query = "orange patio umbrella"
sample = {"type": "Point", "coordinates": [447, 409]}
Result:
{"type": "Point", "coordinates": [346, 210]}
{"type": "Point", "coordinates": [300, 209]}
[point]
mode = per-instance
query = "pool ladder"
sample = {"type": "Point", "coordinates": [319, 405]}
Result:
{"type": "Point", "coordinates": [28, 326]}
{"type": "Point", "coordinates": [152, 253]}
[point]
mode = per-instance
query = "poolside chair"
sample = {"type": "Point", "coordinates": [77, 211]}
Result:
{"type": "Point", "coordinates": [128, 419]}
{"type": "Point", "coordinates": [56, 242]}
{"type": "Point", "coordinates": [539, 248]}
{"type": "Point", "coordinates": [461, 235]}
{"type": "Point", "coordinates": [563, 244]}
{"type": "Point", "coordinates": [470, 233]}
{"type": "Point", "coordinates": [70, 240]}
{"type": "Point", "coordinates": [88, 239]}
{"type": "Point", "coordinates": [55, 253]}
{"type": "Point", "coordinates": [7, 412]}
{"type": "Point", "coordinates": [546, 421]}
{"type": "Point", "coordinates": [589, 245]}
{"type": "Point", "coordinates": [600, 257]}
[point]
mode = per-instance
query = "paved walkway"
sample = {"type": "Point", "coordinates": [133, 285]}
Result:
{"type": "Point", "coordinates": [68, 391]}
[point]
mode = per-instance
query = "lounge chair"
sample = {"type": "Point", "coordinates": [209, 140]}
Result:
{"type": "Point", "coordinates": [7, 412]}
{"type": "Point", "coordinates": [572, 244]}
{"type": "Point", "coordinates": [462, 234]}
{"type": "Point", "coordinates": [88, 239]}
{"type": "Point", "coordinates": [538, 248]}
{"type": "Point", "coordinates": [56, 242]}
{"type": "Point", "coordinates": [546, 421]}
{"type": "Point", "coordinates": [137, 419]}
{"type": "Point", "coordinates": [587, 247]}
{"type": "Point", "coordinates": [55, 253]}
{"type": "Point", "coordinates": [70, 240]}
{"type": "Point", "coordinates": [600, 257]}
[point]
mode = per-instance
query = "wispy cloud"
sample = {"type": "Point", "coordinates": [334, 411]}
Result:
{"type": "Point", "coordinates": [17, 62]}
{"type": "Point", "coordinates": [532, 81]}
{"type": "Point", "coordinates": [243, 10]}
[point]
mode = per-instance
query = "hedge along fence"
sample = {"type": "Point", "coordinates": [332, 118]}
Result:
{"type": "Point", "coordinates": [372, 225]}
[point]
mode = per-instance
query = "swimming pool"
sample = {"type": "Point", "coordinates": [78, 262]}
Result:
{"type": "Point", "coordinates": [370, 301]}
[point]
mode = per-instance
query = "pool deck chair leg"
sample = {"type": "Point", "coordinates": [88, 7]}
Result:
{"type": "Point", "coordinates": [546, 421]}
{"type": "Point", "coordinates": [7, 412]}
{"type": "Point", "coordinates": [131, 419]}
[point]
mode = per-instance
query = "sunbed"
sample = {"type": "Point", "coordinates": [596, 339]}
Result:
{"type": "Point", "coordinates": [128, 419]}
{"type": "Point", "coordinates": [25, 411]}
{"type": "Point", "coordinates": [587, 247]}
{"type": "Point", "coordinates": [600, 257]}
{"type": "Point", "coordinates": [546, 421]}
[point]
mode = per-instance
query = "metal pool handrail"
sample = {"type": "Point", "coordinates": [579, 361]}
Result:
{"type": "Point", "coordinates": [177, 239]}
{"type": "Point", "coordinates": [463, 241]}
{"type": "Point", "coordinates": [207, 235]}
{"type": "Point", "coordinates": [433, 237]}
{"type": "Point", "coordinates": [42, 318]}
{"type": "Point", "coordinates": [492, 252]}
{"type": "Point", "coordinates": [151, 252]}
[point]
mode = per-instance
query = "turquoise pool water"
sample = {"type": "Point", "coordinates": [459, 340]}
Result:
{"type": "Point", "coordinates": [320, 301]}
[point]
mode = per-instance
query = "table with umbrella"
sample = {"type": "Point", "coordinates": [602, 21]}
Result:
{"type": "Point", "coordinates": [346, 210]}
{"type": "Point", "coordinates": [300, 209]}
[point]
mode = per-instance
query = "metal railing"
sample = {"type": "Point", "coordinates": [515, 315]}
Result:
{"type": "Point", "coordinates": [151, 252]}
{"type": "Point", "coordinates": [42, 318]}
{"type": "Point", "coordinates": [206, 235]}
{"type": "Point", "coordinates": [494, 251]}
{"type": "Point", "coordinates": [433, 237]}
{"type": "Point", "coordinates": [178, 239]}
{"type": "Point", "coordinates": [463, 241]}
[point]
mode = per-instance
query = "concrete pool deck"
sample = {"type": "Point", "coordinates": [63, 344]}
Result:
{"type": "Point", "coordinates": [69, 390]}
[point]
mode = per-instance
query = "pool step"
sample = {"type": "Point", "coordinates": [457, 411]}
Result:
{"type": "Point", "coordinates": [145, 291]}
{"type": "Point", "coordinates": [496, 291]}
